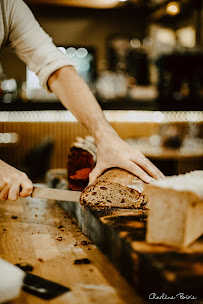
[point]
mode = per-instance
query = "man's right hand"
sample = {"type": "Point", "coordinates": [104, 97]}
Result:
{"type": "Point", "coordinates": [13, 183]}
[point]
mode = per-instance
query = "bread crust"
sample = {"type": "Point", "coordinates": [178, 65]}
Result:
{"type": "Point", "coordinates": [122, 177]}
{"type": "Point", "coordinates": [115, 188]}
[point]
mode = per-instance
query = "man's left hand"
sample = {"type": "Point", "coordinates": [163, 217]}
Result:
{"type": "Point", "coordinates": [112, 151]}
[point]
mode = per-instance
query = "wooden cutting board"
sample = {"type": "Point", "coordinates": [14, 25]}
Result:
{"type": "Point", "coordinates": [120, 234]}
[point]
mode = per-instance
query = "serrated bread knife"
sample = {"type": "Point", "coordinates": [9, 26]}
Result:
{"type": "Point", "coordinates": [56, 194]}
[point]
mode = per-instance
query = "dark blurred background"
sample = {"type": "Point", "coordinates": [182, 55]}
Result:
{"type": "Point", "coordinates": [134, 54]}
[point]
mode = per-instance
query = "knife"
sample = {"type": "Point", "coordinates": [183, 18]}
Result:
{"type": "Point", "coordinates": [56, 194]}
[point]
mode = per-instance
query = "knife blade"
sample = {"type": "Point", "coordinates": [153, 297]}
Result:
{"type": "Point", "coordinates": [56, 194]}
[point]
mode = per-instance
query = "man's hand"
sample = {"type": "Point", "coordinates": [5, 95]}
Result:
{"type": "Point", "coordinates": [114, 152]}
{"type": "Point", "coordinates": [13, 183]}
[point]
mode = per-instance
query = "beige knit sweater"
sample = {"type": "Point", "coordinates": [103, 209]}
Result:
{"type": "Point", "coordinates": [21, 31]}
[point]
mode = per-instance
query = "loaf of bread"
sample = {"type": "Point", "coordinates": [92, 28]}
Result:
{"type": "Point", "coordinates": [176, 209]}
{"type": "Point", "coordinates": [115, 188]}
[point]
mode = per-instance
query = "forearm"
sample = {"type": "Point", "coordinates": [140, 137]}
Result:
{"type": "Point", "coordinates": [112, 151]}
{"type": "Point", "coordinates": [75, 95]}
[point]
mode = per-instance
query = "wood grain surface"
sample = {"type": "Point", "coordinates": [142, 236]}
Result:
{"type": "Point", "coordinates": [34, 237]}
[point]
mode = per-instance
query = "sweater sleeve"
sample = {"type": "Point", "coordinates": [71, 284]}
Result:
{"type": "Point", "coordinates": [31, 43]}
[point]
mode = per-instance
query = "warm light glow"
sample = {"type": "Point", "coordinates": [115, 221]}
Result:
{"type": "Point", "coordinates": [81, 52]}
{"type": "Point", "coordinates": [158, 116]}
{"type": "Point", "coordinates": [71, 52]}
{"type": "Point", "coordinates": [62, 49]}
{"type": "Point", "coordinates": [173, 8]}
{"type": "Point", "coordinates": [8, 138]}
{"type": "Point", "coordinates": [186, 36]}
{"type": "Point", "coordinates": [112, 116]}
{"type": "Point", "coordinates": [99, 4]}
{"type": "Point", "coordinates": [165, 36]}
{"type": "Point", "coordinates": [135, 43]}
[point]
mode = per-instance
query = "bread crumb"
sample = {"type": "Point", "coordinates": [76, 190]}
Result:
{"type": "Point", "coordinates": [60, 226]}
{"type": "Point", "coordinates": [59, 238]}
{"type": "Point", "coordinates": [82, 261]}
{"type": "Point", "coordinates": [14, 217]}
{"type": "Point", "coordinates": [84, 243]}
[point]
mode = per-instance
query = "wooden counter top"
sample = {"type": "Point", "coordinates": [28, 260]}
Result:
{"type": "Point", "coordinates": [33, 236]}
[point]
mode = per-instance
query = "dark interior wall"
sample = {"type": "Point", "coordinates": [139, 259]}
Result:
{"type": "Point", "coordinates": [77, 26]}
